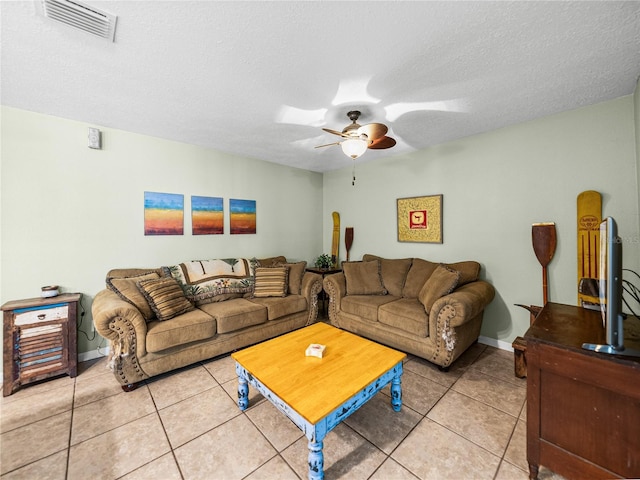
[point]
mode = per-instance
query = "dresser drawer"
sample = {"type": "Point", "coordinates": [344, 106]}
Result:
{"type": "Point", "coordinates": [38, 315]}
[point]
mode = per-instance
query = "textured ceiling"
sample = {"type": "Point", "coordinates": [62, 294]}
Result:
{"type": "Point", "coordinates": [260, 79]}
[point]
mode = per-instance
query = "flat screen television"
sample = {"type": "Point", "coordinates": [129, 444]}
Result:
{"type": "Point", "coordinates": [610, 292]}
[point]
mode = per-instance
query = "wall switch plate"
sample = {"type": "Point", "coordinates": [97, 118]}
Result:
{"type": "Point", "coordinates": [95, 140]}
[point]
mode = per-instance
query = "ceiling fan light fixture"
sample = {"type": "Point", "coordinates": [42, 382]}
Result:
{"type": "Point", "coordinates": [354, 147]}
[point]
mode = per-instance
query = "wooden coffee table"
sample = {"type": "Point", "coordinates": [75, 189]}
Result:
{"type": "Point", "coordinates": [318, 393]}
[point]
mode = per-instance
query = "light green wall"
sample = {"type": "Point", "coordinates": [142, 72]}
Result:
{"type": "Point", "coordinates": [495, 186]}
{"type": "Point", "coordinates": [70, 213]}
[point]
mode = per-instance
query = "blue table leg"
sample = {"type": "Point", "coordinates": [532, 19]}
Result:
{"type": "Point", "coordinates": [243, 393]}
{"type": "Point", "coordinates": [396, 392]}
{"type": "Point", "coordinates": [316, 461]}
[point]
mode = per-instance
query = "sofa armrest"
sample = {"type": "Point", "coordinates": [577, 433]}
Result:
{"type": "Point", "coordinates": [468, 301]}
{"type": "Point", "coordinates": [126, 329]}
{"type": "Point", "coordinates": [336, 287]}
{"type": "Point", "coordinates": [459, 307]}
{"type": "Point", "coordinates": [311, 287]}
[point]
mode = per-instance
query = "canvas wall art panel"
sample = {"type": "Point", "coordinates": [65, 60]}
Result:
{"type": "Point", "coordinates": [207, 215]}
{"type": "Point", "coordinates": [242, 216]}
{"type": "Point", "coordinates": [163, 213]}
{"type": "Point", "coordinates": [420, 219]}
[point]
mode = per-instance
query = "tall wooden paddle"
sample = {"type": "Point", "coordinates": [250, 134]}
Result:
{"type": "Point", "coordinates": [543, 236]}
{"type": "Point", "coordinates": [589, 206]}
{"type": "Point", "coordinates": [348, 239]}
{"type": "Point", "coordinates": [335, 239]}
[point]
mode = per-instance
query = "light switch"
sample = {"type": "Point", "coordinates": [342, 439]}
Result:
{"type": "Point", "coordinates": [95, 140]}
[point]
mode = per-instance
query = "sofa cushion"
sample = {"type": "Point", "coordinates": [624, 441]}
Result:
{"type": "Point", "coordinates": [280, 307]}
{"type": "Point", "coordinates": [270, 261]}
{"type": "Point", "coordinates": [363, 278]}
{"type": "Point", "coordinates": [271, 282]}
{"type": "Point", "coordinates": [406, 314]}
{"type": "Point", "coordinates": [236, 314]}
{"type": "Point", "coordinates": [365, 306]}
{"type": "Point", "coordinates": [418, 274]}
{"type": "Point", "coordinates": [165, 297]}
{"type": "Point", "coordinates": [469, 271]}
{"type": "Point", "coordinates": [394, 272]}
{"type": "Point", "coordinates": [188, 327]}
{"type": "Point", "coordinates": [441, 282]}
{"type": "Point", "coordinates": [127, 289]}
{"type": "Point", "coordinates": [203, 280]}
{"type": "Point", "coordinates": [296, 272]}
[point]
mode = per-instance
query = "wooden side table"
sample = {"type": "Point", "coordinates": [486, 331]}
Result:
{"type": "Point", "coordinates": [40, 339]}
{"type": "Point", "coordinates": [322, 296]}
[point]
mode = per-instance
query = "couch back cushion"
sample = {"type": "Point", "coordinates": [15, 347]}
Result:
{"type": "Point", "coordinates": [418, 274]}
{"type": "Point", "coordinates": [469, 271]}
{"type": "Point", "coordinates": [394, 272]}
{"type": "Point", "coordinates": [363, 278]}
{"type": "Point", "coordinates": [296, 272]}
{"type": "Point", "coordinates": [127, 289]}
{"type": "Point", "coordinates": [271, 261]}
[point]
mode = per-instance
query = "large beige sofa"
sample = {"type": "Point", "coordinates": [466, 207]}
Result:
{"type": "Point", "coordinates": [157, 320]}
{"type": "Point", "coordinates": [428, 309]}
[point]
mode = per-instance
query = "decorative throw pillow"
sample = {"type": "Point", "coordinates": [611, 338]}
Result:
{"type": "Point", "coordinates": [166, 298]}
{"type": "Point", "coordinates": [127, 289]}
{"type": "Point", "coordinates": [271, 282]}
{"type": "Point", "coordinates": [441, 282]}
{"type": "Point", "coordinates": [418, 274]}
{"type": "Point", "coordinates": [363, 278]}
{"type": "Point", "coordinates": [296, 272]}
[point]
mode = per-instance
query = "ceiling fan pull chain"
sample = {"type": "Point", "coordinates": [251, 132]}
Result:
{"type": "Point", "coordinates": [353, 174]}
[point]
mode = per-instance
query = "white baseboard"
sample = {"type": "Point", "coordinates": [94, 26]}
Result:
{"type": "Point", "coordinates": [93, 354]}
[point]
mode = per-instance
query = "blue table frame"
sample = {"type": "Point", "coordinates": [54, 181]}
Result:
{"type": "Point", "coordinates": [315, 433]}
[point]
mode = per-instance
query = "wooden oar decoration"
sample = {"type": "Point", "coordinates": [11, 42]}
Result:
{"type": "Point", "coordinates": [348, 239]}
{"type": "Point", "coordinates": [543, 236]}
{"type": "Point", "coordinates": [335, 239]}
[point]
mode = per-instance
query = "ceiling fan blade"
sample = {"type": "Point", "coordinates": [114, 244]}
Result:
{"type": "Point", "coordinates": [335, 132]}
{"type": "Point", "coordinates": [381, 143]}
{"type": "Point", "coordinates": [328, 145]}
{"type": "Point", "coordinates": [373, 130]}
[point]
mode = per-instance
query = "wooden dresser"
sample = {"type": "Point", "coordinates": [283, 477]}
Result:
{"type": "Point", "coordinates": [583, 408]}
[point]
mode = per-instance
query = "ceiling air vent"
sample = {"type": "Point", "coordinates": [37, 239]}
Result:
{"type": "Point", "coordinates": [80, 16]}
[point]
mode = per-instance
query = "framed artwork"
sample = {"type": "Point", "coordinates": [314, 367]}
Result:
{"type": "Point", "coordinates": [163, 213]}
{"type": "Point", "coordinates": [420, 219]}
{"type": "Point", "coordinates": [242, 216]}
{"type": "Point", "coordinates": [207, 215]}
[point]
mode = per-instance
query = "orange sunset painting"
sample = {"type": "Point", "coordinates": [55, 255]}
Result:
{"type": "Point", "coordinates": [163, 213]}
{"type": "Point", "coordinates": [242, 216]}
{"type": "Point", "coordinates": [207, 215]}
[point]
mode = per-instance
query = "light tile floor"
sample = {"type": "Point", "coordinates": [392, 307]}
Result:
{"type": "Point", "coordinates": [469, 422]}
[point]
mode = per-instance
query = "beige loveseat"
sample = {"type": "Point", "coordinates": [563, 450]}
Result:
{"type": "Point", "coordinates": [157, 320]}
{"type": "Point", "coordinates": [428, 309]}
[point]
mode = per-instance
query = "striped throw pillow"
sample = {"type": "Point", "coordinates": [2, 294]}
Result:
{"type": "Point", "coordinates": [165, 297]}
{"type": "Point", "coordinates": [271, 282]}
